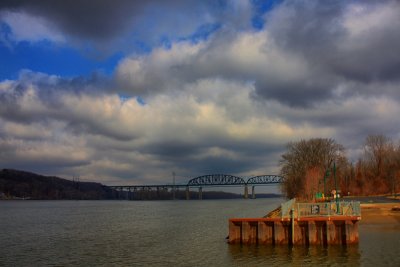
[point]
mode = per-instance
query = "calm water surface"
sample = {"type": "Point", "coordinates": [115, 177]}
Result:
{"type": "Point", "coordinates": [164, 233]}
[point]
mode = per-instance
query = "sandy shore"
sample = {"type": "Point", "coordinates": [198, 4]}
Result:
{"type": "Point", "coordinates": [380, 213]}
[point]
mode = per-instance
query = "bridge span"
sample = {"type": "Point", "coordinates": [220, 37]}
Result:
{"type": "Point", "coordinates": [209, 180]}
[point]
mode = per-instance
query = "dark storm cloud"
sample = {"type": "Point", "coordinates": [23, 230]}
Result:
{"type": "Point", "coordinates": [297, 93]}
{"type": "Point", "coordinates": [309, 27]}
{"type": "Point", "coordinates": [102, 20]}
{"type": "Point", "coordinates": [97, 19]}
{"type": "Point", "coordinates": [211, 165]}
{"type": "Point", "coordinates": [341, 43]}
{"type": "Point", "coordinates": [220, 154]}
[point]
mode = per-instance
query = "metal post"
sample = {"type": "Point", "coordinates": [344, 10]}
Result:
{"type": "Point", "coordinates": [292, 217]}
{"type": "Point", "coordinates": [336, 189]}
{"type": "Point", "coordinates": [325, 176]}
{"type": "Point", "coordinates": [298, 211]}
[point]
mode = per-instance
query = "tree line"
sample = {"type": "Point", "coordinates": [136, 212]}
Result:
{"type": "Point", "coordinates": [320, 165]}
{"type": "Point", "coordinates": [15, 184]}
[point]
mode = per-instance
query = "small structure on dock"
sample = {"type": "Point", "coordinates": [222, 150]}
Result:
{"type": "Point", "coordinates": [295, 223]}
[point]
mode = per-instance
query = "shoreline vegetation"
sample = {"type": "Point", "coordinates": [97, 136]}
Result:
{"type": "Point", "coordinates": [320, 166]}
{"type": "Point", "coordinates": [21, 185]}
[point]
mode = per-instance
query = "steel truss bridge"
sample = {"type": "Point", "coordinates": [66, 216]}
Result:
{"type": "Point", "coordinates": [207, 181]}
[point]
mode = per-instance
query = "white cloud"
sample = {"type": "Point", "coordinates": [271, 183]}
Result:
{"type": "Point", "coordinates": [26, 27]}
{"type": "Point", "coordinates": [248, 56]}
{"type": "Point", "coordinates": [365, 20]}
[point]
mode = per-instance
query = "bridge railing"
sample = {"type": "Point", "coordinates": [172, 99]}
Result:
{"type": "Point", "coordinates": [264, 179]}
{"type": "Point", "coordinates": [216, 179]}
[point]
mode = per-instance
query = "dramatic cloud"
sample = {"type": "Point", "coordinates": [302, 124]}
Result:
{"type": "Point", "coordinates": [307, 52]}
{"type": "Point", "coordinates": [94, 19]}
{"type": "Point", "coordinates": [213, 126]}
{"type": "Point", "coordinates": [110, 26]}
{"type": "Point", "coordinates": [211, 94]}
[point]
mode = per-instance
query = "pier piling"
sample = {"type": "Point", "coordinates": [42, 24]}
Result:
{"type": "Point", "coordinates": [278, 232]}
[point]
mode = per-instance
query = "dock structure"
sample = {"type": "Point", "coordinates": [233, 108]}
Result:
{"type": "Point", "coordinates": [301, 224]}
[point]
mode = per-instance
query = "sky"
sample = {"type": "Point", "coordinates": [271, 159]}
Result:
{"type": "Point", "coordinates": [128, 92]}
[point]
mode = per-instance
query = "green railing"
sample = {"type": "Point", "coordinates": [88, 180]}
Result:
{"type": "Point", "coordinates": [320, 209]}
{"type": "Point", "coordinates": [333, 208]}
{"type": "Point", "coordinates": [287, 207]}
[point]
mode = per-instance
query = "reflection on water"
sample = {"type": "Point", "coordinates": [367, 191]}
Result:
{"type": "Point", "coordinates": [295, 256]}
{"type": "Point", "coordinates": [380, 244]}
{"type": "Point", "coordinates": [164, 233]}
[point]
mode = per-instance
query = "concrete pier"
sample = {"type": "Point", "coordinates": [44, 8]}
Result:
{"type": "Point", "coordinates": [296, 223]}
{"type": "Point", "coordinates": [339, 230]}
{"type": "Point", "coordinates": [187, 193]}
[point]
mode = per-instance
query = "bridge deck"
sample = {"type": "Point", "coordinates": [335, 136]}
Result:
{"type": "Point", "coordinates": [213, 180]}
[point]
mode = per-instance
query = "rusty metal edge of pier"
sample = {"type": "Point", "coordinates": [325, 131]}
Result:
{"type": "Point", "coordinates": [308, 231]}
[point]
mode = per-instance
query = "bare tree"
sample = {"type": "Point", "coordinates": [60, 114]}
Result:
{"type": "Point", "coordinates": [393, 175]}
{"type": "Point", "coordinates": [307, 160]}
{"type": "Point", "coordinates": [377, 151]}
{"type": "Point", "coordinates": [379, 162]}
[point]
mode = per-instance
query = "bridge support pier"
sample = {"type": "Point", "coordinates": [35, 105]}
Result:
{"type": "Point", "coordinates": [187, 193]}
{"type": "Point", "coordinates": [253, 192]}
{"type": "Point", "coordinates": [200, 192]}
{"type": "Point", "coordinates": [129, 193]}
{"type": "Point", "coordinates": [246, 192]}
{"type": "Point", "coordinates": [121, 193]}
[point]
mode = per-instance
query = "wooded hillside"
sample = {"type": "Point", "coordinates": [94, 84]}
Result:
{"type": "Point", "coordinates": [20, 184]}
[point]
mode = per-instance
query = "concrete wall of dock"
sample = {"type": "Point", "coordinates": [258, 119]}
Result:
{"type": "Point", "coordinates": [313, 231]}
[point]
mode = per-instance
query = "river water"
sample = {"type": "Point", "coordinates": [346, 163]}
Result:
{"type": "Point", "coordinates": [165, 233]}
